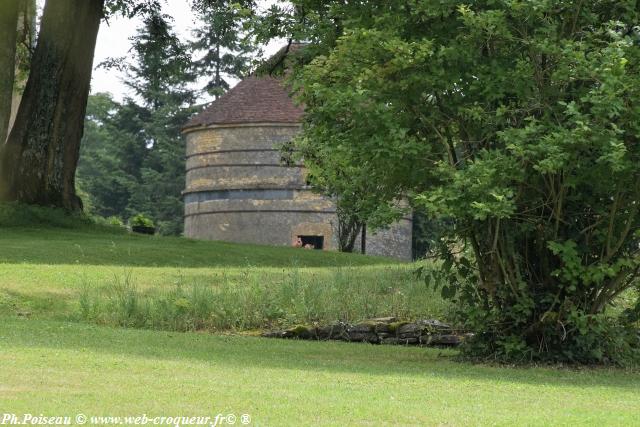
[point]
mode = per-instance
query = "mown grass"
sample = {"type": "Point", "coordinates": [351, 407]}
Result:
{"type": "Point", "coordinates": [60, 240]}
{"type": "Point", "coordinates": [88, 247]}
{"type": "Point", "coordinates": [58, 368]}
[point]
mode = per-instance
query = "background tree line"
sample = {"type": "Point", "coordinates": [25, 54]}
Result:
{"type": "Point", "coordinates": [132, 153]}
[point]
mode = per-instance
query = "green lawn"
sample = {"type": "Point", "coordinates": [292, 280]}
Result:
{"type": "Point", "coordinates": [55, 368]}
{"type": "Point", "coordinates": [95, 246]}
{"type": "Point", "coordinates": [56, 362]}
{"type": "Point", "coordinates": [46, 273]}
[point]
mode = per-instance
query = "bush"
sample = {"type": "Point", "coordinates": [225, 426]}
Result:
{"type": "Point", "coordinates": [115, 221]}
{"type": "Point", "coordinates": [580, 339]}
{"type": "Point", "coordinates": [516, 121]}
{"type": "Point", "coordinates": [140, 220]}
{"type": "Point", "coordinates": [519, 333]}
{"type": "Point", "coordinates": [112, 221]}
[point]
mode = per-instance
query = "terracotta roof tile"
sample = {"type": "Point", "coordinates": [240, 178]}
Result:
{"type": "Point", "coordinates": [256, 99]}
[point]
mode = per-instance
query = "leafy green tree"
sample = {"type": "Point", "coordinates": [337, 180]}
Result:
{"type": "Point", "coordinates": [159, 73]}
{"type": "Point", "coordinates": [133, 153]}
{"type": "Point", "coordinates": [159, 77]}
{"type": "Point", "coordinates": [223, 47]}
{"type": "Point", "coordinates": [111, 157]}
{"type": "Point", "coordinates": [360, 201]}
{"type": "Point", "coordinates": [162, 175]}
{"type": "Point", "coordinates": [518, 121]}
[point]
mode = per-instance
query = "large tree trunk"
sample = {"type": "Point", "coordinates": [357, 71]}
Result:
{"type": "Point", "coordinates": [26, 45]}
{"type": "Point", "coordinates": [8, 34]}
{"type": "Point", "coordinates": [38, 162]}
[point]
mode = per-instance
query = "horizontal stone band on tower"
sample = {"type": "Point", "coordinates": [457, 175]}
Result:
{"type": "Point", "coordinates": [203, 196]}
{"type": "Point", "coordinates": [249, 150]}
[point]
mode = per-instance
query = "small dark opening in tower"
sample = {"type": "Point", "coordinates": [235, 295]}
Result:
{"type": "Point", "coordinates": [312, 242]}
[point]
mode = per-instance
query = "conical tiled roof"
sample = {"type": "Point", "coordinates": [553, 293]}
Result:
{"type": "Point", "coordinates": [256, 99]}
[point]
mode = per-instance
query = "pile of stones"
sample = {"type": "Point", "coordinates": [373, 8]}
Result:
{"type": "Point", "coordinates": [386, 330]}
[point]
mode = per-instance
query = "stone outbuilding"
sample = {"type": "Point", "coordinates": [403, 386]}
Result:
{"type": "Point", "coordinates": [239, 189]}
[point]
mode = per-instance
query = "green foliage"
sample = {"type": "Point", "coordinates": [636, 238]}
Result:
{"type": "Point", "coordinates": [360, 201]}
{"type": "Point", "coordinates": [132, 157]}
{"type": "Point", "coordinates": [159, 72]}
{"type": "Point", "coordinates": [130, 9]}
{"type": "Point", "coordinates": [111, 156]}
{"type": "Point", "coordinates": [160, 76]}
{"type": "Point", "coordinates": [221, 42]}
{"type": "Point", "coordinates": [114, 221]}
{"type": "Point", "coordinates": [427, 234]}
{"type": "Point", "coordinates": [515, 120]}
{"type": "Point", "coordinates": [140, 220]}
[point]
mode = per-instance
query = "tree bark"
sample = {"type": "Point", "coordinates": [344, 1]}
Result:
{"type": "Point", "coordinates": [25, 47]}
{"type": "Point", "coordinates": [38, 162]}
{"type": "Point", "coordinates": [8, 35]}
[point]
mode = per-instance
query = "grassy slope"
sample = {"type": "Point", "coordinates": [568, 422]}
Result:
{"type": "Point", "coordinates": [115, 372]}
{"type": "Point", "coordinates": [108, 371]}
{"type": "Point", "coordinates": [44, 271]}
{"type": "Point", "coordinates": [100, 247]}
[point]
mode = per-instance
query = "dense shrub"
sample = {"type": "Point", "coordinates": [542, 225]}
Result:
{"type": "Point", "coordinates": [518, 122]}
{"type": "Point", "coordinates": [141, 220]}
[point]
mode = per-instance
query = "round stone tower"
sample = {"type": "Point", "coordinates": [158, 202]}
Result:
{"type": "Point", "coordinates": [239, 189]}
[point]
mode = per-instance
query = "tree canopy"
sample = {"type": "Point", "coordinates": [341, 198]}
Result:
{"type": "Point", "coordinates": [517, 123]}
{"type": "Point", "coordinates": [222, 43]}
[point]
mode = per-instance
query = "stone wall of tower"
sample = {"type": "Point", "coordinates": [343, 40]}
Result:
{"type": "Point", "coordinates": [238, 190]}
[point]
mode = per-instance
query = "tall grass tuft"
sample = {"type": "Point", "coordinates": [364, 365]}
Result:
{"type": "Point", "coordinates": [255, 299]}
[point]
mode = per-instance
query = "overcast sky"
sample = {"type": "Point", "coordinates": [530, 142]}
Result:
{"type": "Point", "coordinates": [113, 42]}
